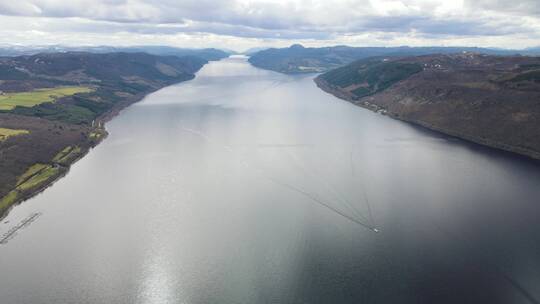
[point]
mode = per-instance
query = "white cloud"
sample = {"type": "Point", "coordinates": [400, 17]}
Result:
{"type": "Point", "coordinates": [250, 22]}
{"type": "Point", "coordinates": [19, 8]}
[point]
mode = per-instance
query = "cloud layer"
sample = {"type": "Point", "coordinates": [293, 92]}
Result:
{"type": "Point", "coordinates": [244, 23]}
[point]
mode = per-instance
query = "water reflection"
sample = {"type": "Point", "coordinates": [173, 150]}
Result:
{"type": "Point", "coordinates": [191, 200]}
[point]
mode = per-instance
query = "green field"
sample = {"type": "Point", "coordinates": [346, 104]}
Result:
{"type": "Point", "coordinates": [68, 154]}
{"type": "Point", "coordinates": [36, 176]}
{"type": "Point", "coordinates": [39, 179]}
{"type": "Point", "coordinates": [8, 101]}
{"type": "Point", "coordinates": [62, 153]}
{"type": "Point", "coordinates": [5, 133]}
{"type": "Point", "coordinates": [8, 200]}
{"type": "Point", "coordinates": [30, 172]}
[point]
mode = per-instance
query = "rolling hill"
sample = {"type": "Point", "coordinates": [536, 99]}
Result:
{"type": "Point", "coordinates": [491, 100]}
{"type": "Point", "coordinates": [299, 59]}
{"type": "Point", "coordinates": [209, 54]}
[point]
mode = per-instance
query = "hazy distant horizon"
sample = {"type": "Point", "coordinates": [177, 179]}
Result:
{"type": "Point", "coordinates": [237, 51]}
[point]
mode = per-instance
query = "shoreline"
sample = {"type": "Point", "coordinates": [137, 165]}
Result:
{"type": "Point", "coordinates": [64, 168]}
{"type": "Point", "coordinates": [516, 151]}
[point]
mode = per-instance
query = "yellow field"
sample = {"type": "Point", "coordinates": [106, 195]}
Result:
{"type": "Point", "coordinates": [5, 133]}
{"type": "Point", "coordinates": [9, 101]}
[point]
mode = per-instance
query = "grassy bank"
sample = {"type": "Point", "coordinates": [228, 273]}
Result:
{"type": "Point", "coordinates": [35, 179]}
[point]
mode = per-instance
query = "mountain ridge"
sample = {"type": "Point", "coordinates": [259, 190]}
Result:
{"type": "Point", "coordinates": [299, 59]}
{"type": "Point", "coordinates": [210, 54]}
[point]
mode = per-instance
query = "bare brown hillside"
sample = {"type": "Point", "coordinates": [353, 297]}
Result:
{"type": "Point", "coordinates": [490, 100]}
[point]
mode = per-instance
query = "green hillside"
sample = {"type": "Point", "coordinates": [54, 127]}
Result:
{"type": "Point", "coordinates": [369, 76]}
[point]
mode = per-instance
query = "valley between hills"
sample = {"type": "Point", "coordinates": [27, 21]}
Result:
{"type": "Point", "coordinates": [53, 106]}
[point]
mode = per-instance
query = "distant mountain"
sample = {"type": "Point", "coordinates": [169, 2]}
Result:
{"type": "Point", "coordinates": [534, 51]}
{"type": "Point", "coordinates": [207, 54]}
{"type": "Point", "coordinates": [299, 59]}
{"type": "Point", "coordinates": [229, 51]}
{"type": "Point", "coordinates": [254, 50]}
{"type": "Point", "coordinates": [491, 100]}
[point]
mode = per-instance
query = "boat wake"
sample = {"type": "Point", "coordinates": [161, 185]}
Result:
{"type": "Point", "coordinates": [12, 232]}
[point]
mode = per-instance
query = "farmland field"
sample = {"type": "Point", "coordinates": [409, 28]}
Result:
{"type": "Point", "coordinates": [29, 99]}
{"type": "Point", "coordinates": [39, 178]}
{"type": "Point", "coordinates": [5, 133]}
{"type": "Point", "coordinates": [30, 172]}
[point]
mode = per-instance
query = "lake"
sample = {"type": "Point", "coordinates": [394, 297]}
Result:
{"type": "Point", "coordinates": [248, 186]}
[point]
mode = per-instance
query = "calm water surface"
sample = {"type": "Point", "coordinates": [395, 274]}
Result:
{"type": "Point", "coordinates": [220, 190]}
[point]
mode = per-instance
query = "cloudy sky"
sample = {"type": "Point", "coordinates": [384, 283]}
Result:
{"type": "Point", "coordinates": [242, 24]}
